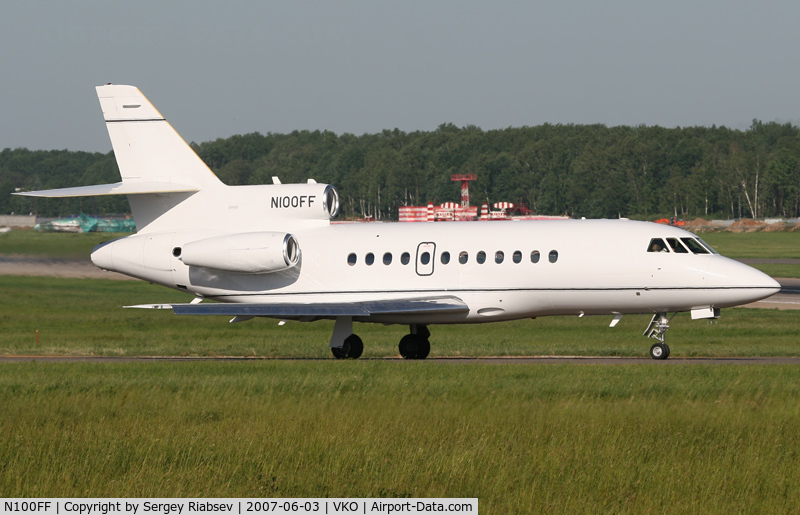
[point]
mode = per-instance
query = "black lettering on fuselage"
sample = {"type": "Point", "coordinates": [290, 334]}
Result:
{"type": "Point", "coordinates": [293, 201]}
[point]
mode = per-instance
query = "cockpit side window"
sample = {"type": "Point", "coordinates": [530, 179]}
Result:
{"type": "Point", "coordinates": [694, 246]}
{"type": "Point", "coordinates": [676, 246]}
{"type": "Point", "coordinates": [657, 245]}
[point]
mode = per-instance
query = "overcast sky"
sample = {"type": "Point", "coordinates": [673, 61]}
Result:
{"type": "Point", "coordinates": [215, 69]}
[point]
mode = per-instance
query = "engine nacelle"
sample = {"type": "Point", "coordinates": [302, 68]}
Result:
{"type": "Point", "coordinates": [310, 201]}
{"type": "Point", "coordinates": [245, 253]}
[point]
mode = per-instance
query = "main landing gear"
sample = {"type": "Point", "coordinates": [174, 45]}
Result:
{"type": "Point", "coordinates": [414, 345]}
{"type": "Point", "coordinates": [657, 329]}
{"type": "Point", "coordinates": [352, 349]}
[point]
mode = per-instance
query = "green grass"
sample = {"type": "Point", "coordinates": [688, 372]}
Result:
{"type": "Point", "coordinates": [53, 245]}
{"type": "Point", "coordinates": [755, 245]}
{"type": "Point", "coordinates": [759, 245]}
{"type": "Point", "coordinates": [85, 317]}
{"type": "Point", "coordinates": [523, 439]}
{"type": "Point", "coordinates": [784, 271]}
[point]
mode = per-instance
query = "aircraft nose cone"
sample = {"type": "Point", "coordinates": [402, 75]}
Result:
{"type": "Point", "coordinates": [743, 283]}
{"type": "Point", "coordinates": [101, 256]}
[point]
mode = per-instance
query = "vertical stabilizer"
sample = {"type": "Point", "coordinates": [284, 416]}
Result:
{"type": "Point", "coordinates": [149, 151]}
{"type": "Point", "coordinates": [146, 146]}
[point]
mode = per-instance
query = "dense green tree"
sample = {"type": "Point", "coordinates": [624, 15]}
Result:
{"type": "Point", "coordinates": [578, 170]}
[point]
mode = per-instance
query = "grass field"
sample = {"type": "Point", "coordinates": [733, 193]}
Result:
{"type": "Point", "coordinates": [53, 245]}
{"type": "Point", "coordinates": [85, 317]}
{"type": "Point", "coordinates": [523, 439]}
{"type": "Point", "coordinates": [755, 245]}
{"type": "Point", "coordinates": [760, 245]}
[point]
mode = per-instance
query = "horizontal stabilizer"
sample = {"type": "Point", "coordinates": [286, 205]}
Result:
{"type": "Point", "coordinates": [321, 309]}
{"type": "Point", "coordinates": [118, 188]}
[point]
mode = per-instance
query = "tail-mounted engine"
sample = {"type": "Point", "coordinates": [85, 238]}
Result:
{"type": "Point", "coordinates": [245, 253]}
{"type": "Point", "coordinates": [299, 201]}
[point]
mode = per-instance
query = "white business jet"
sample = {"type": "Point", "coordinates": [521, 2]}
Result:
{"type": "Point", "coordinates": [272, 251]}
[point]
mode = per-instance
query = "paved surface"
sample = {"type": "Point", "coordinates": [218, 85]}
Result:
{"type": "Point", "coordinates": [69, 268]}
{"type": "Point", "coordinates": [523, 360]}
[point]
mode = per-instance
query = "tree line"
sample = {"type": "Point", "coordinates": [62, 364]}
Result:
{"type": "Point", "coordinates": [576, 170]}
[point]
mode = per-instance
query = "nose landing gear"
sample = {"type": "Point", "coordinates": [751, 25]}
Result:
{"type": "Point", "coordinates": [659, 351]}
{"type": "Point", "coordinates": [657, 329]}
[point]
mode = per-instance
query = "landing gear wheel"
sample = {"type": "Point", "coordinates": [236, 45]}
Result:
{"type": "Point", "coordinates": [659, 351]}
{"type": "Point", "coordinates": [413, 346]}
{"type": "Point", "coordinates": [352, 348]}
{"type": "Point", "coordinates": [658, 327]}
{"type": "Point", "coordinates": [424, 349]}
{"type": "Point", "coordinates": [408, 346]}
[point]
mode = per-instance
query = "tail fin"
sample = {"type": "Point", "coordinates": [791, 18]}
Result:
{"type": "Point", "coordinates": [146, 146]}
{"type": "Point", "coordinates": [159, 170]}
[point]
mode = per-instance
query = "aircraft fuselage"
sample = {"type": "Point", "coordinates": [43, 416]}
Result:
{"type": "Point", "coordinates": [502, 270]}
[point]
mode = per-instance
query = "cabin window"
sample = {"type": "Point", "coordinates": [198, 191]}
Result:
{"type": "Point", "coordinates": [481, 257]}
{"type": "Point", "coordinates": [387, 258]}
{"type": "Point", "coordinates": [445, 258]}
{"type": "Point", "coordinates": [405, 258]}
{"type": "Point", "coordinates": [657, 245]}
{"type": "Point", "coordinates": [694, 246]}
{"type": "Point", "coordinates": [463, 257]}
{"type": "Point", "coordinates": [425, 258]}
{"type": "Point", "coordinates": [517, 256]}
{"type": "Point", "coordinates": [369, 259]}
{"type": "Point", "coordinates": [499, 256]}
{"type": "Point", "coordinates": [535, 256]}
{"type": "Point", "coordinates": [676, 246]}
{"type": "Point", "coordinates": [351, 259]}
{"type": "Point", "coordinates": [553, 256]}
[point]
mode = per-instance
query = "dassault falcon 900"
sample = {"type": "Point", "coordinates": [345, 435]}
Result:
{"type": "Point", "coordinates": [271, 251]}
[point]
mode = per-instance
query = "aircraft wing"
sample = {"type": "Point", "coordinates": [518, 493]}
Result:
{"type": "Point", "coordinates": [447, 304]}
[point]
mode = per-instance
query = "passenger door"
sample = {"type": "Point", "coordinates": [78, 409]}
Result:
{"type": "Point", "coordinates": [425, 254]}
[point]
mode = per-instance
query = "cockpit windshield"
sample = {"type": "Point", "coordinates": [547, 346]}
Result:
{"type": "Point", "coordinates": [707, 246]}
{"type": "Point", "coordinates": [694, 246]}
{"type": "Point", "coordinates": [676, 246]}
{"type": "Point", "coordinates": [680, 246]}
{"type": "Point", "coordinates": [657, 245]}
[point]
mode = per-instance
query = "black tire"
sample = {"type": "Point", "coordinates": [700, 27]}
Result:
{"type": "Point", "coordinates": [356, 346]}
{"type": "Point", "coordinates": [424, 349]}
{"type": "Point", "coordinates": [659, 351]}
{"type": "Point", "coordinates": [413, 346]}
{"type": "Point", "coordinates": [407, 346]}
{"type": "Point", "coordinates": [352, 348]}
